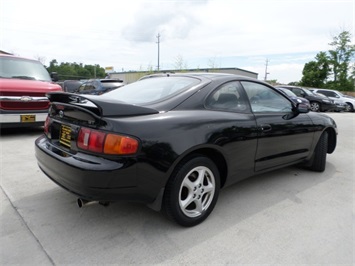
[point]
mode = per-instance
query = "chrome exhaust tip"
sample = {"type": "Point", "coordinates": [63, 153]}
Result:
{"type": "Point", "coordinates": [83, 203]}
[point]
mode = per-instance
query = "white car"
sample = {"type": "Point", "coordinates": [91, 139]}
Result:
{"type": "Point", "coordinates": [336, 95]}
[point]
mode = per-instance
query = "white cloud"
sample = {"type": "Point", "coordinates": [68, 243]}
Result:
{"type": "Point", "coordinates": [123, 33]}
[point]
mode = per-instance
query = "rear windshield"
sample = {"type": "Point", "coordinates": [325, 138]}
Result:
{"type": "Point", "coordinates": [152, 90]}
{"type": "Point", "coordinates": [19, 68]}
{"type": "Point", "coordinates": [111, 84]}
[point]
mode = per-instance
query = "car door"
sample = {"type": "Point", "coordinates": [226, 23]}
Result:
{"type": "Point", "coordinates": [237, 133]}
{"type": "Point", "coordinates": [281, 140]}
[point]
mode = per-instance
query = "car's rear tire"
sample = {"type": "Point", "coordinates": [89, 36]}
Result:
{"type": "Point", "coordinates": [315, 107]}
{"type": "Point", "coordinates": [318, 160]}
{"type": "Point", "coordinates": [349, 107]}
{"type": "Point", "coordinates": [192, 191]}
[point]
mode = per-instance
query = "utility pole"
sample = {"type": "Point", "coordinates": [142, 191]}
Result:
{"type": "Point", "coordinates": [266, 73]}
{"type": "Point", "coordinates": [158, 42]}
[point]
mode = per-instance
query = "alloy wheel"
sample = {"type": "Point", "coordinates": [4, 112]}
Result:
{"type": "Point", "coordinates": [315, 107]}
{"type": "Point", "coordinates": [196, 191]}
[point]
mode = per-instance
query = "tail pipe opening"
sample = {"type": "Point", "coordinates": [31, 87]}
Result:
{"type": "Point", "coordinates": [83, 203]}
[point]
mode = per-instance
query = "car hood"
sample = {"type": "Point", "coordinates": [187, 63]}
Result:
{"type": "Point", "coordinates": [302, 100]}
{"type": "Point", "coordinates": [25, 85]}
{"type": "Point", "coordinates": [348, 96]}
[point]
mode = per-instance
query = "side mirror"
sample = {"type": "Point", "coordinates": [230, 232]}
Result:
{"type": "Point", "coordinates": [302, 108]}
{"type": "Point", "coordinates": [296, 110]}
{"type": "Point", "coordinates": [54, 76]}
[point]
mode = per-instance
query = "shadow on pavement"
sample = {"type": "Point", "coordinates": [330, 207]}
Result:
{"type": "Point", "coordinates": [129, 233]}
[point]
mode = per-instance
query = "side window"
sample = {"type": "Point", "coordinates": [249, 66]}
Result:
{"type": "Point", "coordinates": [265, 99]}
{"type": "Point", "coordinates": [328, 93]}
{"type": "Point", "coordinates": [89, 86]}
{"type": "Point", "coordinates": [228, 97]}
{"type": "Point", "coordinates": [297, 92]}
{"type": "Point", "coordinates": [81, 88]}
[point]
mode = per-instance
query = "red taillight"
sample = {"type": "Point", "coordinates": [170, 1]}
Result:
{"type": "Point", "coordinates": [46, 126]}
{"type": "Point", "coordinates": [83, 138]}
{"type": "Point", "coordinates": [100, 142]}
{"type": "Point", "coordinates": [96, 141]}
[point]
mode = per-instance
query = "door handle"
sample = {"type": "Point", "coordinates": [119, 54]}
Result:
{"type": "Point", "coordinates": [265, 127]}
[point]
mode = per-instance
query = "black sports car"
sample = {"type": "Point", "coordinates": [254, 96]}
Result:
{"type": "Point", "coordinates": [173, 140]}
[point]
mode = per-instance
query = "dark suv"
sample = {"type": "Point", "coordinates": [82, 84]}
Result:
{"type": "Point", "coordinates": [99, 86]}
{"type": "Point", "coordinates": [317, 102]}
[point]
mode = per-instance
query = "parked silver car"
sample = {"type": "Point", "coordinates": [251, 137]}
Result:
{"type": "Point", "coordinates": [336, 96]}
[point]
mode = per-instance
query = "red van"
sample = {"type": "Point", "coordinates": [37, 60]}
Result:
{"type": "Point", "coordinates": [23, 87]}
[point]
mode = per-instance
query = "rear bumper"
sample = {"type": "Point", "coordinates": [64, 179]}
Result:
{"type": "Point", "coordinates": [90, 177]}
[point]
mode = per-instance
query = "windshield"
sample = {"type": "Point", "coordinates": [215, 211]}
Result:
{"type": "Point", "coordinates": [111, 84]}
{"type": "Point", "coordinates": [289, 93]}
{"type": "Point", "coordinates": [20, 68]}
{"type": "Point", "coordinates": [152, 89]}
{"type": "Point", "coordinates": [309, 93]}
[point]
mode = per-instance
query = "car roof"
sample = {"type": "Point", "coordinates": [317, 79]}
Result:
{"type": "Point", "coordinates": [18, 57]}
{"type": "Point", "coordinates": [291, 87]}
{"type": "Point", "coordinates": [201, 75]}
{"type": "Point", "coordinates": [317, 89]}
{"type": "Point", "coordinates": [105, 80]}
{"type": "Point", "coordinates": [111, 80]}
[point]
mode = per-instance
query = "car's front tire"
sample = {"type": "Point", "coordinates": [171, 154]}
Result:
{"type": "Point", "coordinates": [320, 154]}
{"type": "Point", "coordinates": [349, 107]}
{"type": "Point", "coordinates": [192, 191]}
{"type": "Point", "coordinates": [315, 107]}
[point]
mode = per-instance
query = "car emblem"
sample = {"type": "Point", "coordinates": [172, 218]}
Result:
{"type": "Point", "coordinates": [61, 114]}
{"type": "Point", "coordinates": [26, 98]}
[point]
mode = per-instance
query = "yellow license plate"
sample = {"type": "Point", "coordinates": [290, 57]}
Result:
{"type": "Point", "coordinates": [28, 118]}
{"type": "Point", "coordinates": [65, 135]}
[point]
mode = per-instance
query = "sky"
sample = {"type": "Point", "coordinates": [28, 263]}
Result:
{"type": "Point", "coordinates": [197, 34]}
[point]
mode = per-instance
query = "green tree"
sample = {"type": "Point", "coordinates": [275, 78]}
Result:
{"type": "Point", "coordinates": [332, 69]}
{"type": "Point", "coordinates": [315, 73]}
{"type": "Point", "coordinates": [340, 57]}
{"type": "Point", "coordinates": [76, 71]}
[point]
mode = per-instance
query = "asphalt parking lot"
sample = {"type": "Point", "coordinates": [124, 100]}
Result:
{"type": "Point", "coordinates": [289, 216]}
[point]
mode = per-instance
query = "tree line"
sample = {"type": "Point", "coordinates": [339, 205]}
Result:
{"type": "Point", "coordinates": [75, 71]}
{"type": "Point", "coordinates": [332, 69]}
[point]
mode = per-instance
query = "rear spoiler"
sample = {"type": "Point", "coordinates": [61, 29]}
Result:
{"type": "Point", "coordinates": [99, 105]}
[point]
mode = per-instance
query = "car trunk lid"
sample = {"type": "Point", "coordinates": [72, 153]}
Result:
{"type": "Point", "coordinates": [70, 115]}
